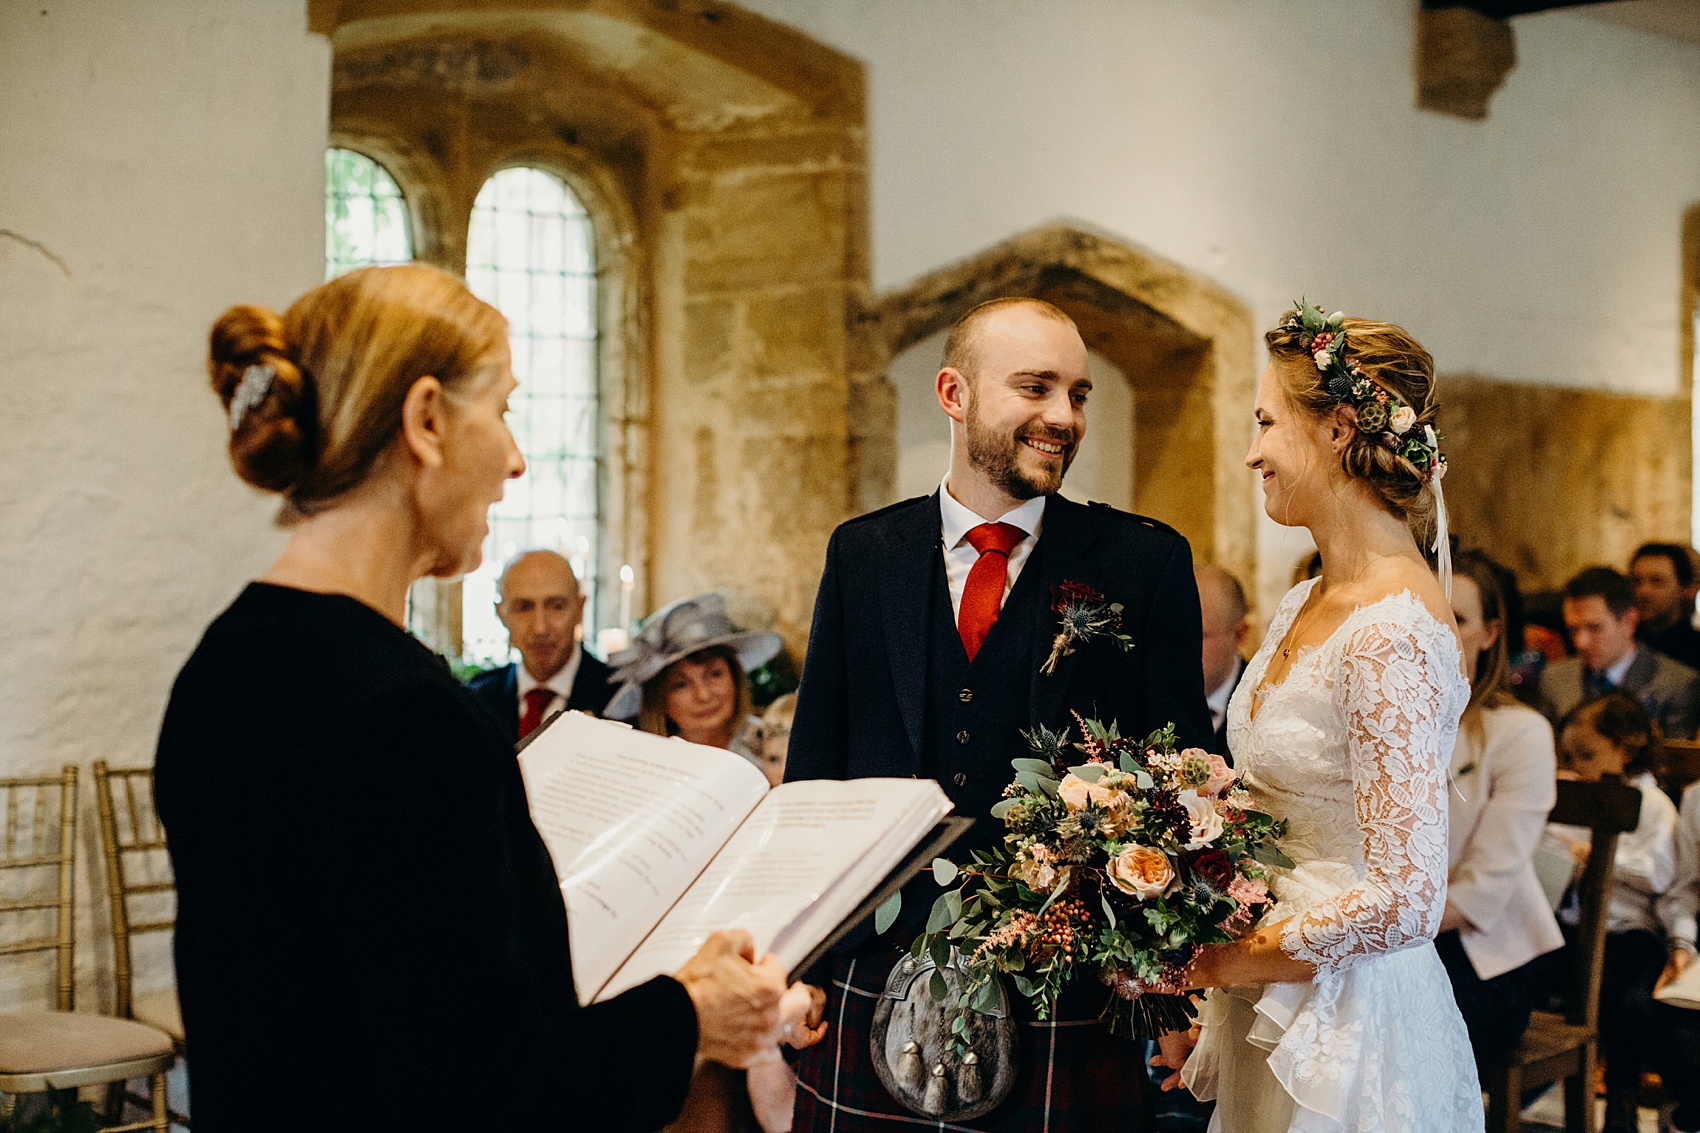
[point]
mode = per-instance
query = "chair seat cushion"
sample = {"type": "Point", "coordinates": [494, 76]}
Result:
{"type": "Point", "coordinates": [40, 1042]}
{"type": "Point", "coordinates": [160, 1009]}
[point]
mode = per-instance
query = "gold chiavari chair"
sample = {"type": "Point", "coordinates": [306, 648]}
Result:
{"type": "Point", "coordinates": [139, 892]}
{"type": "Point", "coordinates": [58, 1051]}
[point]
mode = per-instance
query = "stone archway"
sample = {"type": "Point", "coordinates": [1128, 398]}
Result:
{"type": "Point", "coordinates": [722, 158]}
{"type": "Point", "coordinates": [1186, 346]}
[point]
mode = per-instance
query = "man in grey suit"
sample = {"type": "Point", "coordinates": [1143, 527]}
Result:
{"type": "Point", "coordinates": [1599, 612]}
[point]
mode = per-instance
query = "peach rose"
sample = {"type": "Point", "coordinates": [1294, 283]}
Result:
{"type": "Point", "coordinates": [1206, 823]}
{"type": "Point", "coordinates": [1076, 792]}
{"type": "Point", "coordinates": [1142, 872]}
{"type": "Point", "coordinates": [1221, 776]}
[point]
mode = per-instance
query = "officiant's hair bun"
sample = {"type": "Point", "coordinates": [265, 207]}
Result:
{"type": "Point", "coordinates": [315, 396]}
{"type": "Point", "coordinates": [1390, 357]}
{"type": "Point", "coordinates": [271, 422]}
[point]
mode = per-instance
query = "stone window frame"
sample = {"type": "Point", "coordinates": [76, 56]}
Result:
{"type": "Point", "coordinates": [439, 218]}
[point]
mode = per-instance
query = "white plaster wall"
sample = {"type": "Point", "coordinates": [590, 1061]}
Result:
{"type": "Point", "coordinates": [1273, 147]}
{"type": "Point", "coordinates": [1103, 465]}
{"type": "Point", "coordinates": [162, 160]}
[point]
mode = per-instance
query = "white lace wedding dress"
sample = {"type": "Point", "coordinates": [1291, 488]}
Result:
{"type": "Point", "coordinates": [1351, 749]}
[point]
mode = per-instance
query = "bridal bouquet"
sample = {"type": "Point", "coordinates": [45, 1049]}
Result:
{"type": "Point", "coordinates": [1117, 869]}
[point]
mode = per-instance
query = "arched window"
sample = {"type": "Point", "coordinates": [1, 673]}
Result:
{"type": "Point", "coordinates": [365, 214]}
{"type": "Point", "coordinates": [531, 253]}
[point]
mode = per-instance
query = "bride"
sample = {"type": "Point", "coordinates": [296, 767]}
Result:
{"type": "Point", "coordinates": [1335, 1014]}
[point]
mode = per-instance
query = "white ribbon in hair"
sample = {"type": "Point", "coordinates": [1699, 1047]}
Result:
{"type": "Point", "coordinates": [1442, 537]}
{"type": "Point", "coordinates": [250, 391]}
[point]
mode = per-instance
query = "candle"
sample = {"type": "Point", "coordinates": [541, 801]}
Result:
{"type": "Point", "coordinates": [628, 582]}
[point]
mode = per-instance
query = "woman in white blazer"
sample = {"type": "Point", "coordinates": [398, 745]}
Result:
{"type": "Point", "coordinates": [1497, 919]}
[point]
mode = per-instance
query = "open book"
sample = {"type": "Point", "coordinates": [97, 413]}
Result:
{"type": "Point", "coordinates": [659, 843]}
{"type": "Point", "coordinates": [1684, 991]}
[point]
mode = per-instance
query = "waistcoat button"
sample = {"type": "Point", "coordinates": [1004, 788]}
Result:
{"type": "Point", "coordinates": [962, 736]}
{"type": "Point", "coordinates": [965, 695]}
{"type": "Point", "coordinates": [961, 779]}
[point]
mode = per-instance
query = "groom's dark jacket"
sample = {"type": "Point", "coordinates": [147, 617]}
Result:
{"type": "Point", "coordinates": [887, 689]}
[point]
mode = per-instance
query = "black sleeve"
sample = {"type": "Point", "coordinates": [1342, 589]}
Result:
{"type": "Point", "coordinates": [820, 729]}
{"type": "Point", "coordinates": [462, 952]}
{"type": "Point", "coordinates": [1175, 690]}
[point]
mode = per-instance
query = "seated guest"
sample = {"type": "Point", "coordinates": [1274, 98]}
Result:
{"type": "Point", "coordinates": [684, 675]}
{"type": "Point", "coordinates": [539, 603]}
{"type": "Point", "coordinates": [1679, 1027]}
{"type": "Point", "coordinates": [1222, 600]}
{"type": "Point", "coordinates": [359, 884]}
{"type": "Point", "coordinates": [1599, 613]}
{"type": "Point", "coordinates": [1663, 574]}
{"type": "Point", "coordinates": [1497, 918]}
{"type": "Point", "coordinates": [776, 737]}
{"type": "Point", "coordinates": [1613, 735]}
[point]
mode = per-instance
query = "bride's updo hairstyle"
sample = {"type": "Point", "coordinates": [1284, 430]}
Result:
{"type": "Point", "coordinates": [315, 396]}
{"type": "Point", "coordinates": [1397, 467]}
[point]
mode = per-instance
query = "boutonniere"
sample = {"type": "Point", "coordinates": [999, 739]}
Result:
{"type": "Point", "coordinates": [1084, 615]}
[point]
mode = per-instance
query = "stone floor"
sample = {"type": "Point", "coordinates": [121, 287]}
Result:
{"type": "Point", "coordinates": [1547, 1115]}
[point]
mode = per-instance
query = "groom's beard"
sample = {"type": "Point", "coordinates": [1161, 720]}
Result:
{"type": "Point", "coordinates": [998, 456]}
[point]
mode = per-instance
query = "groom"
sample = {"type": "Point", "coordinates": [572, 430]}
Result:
{"type": "Point", "coordinates": [933, 620]}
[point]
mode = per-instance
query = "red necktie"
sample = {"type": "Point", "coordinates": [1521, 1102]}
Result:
{"type": "Point", "coordinates": [536, 702]}
{"type": "Point", "coordinates": [983, 596]}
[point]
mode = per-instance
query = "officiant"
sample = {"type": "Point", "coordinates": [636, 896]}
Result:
{"type": "Point", "coordinates": [361, 892]}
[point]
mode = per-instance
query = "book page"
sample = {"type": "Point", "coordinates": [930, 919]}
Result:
{"type": "Point", "coordinates": [810, 848]}
{"type": "Point", "coordinates": [630, 820]}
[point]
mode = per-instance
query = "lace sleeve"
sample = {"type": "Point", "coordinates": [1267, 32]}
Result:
{"type": "Point", "coordinates": [1397, 692]}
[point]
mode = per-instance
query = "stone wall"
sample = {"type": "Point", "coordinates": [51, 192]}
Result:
{"type": "Point", "coordinates": [164, 159]}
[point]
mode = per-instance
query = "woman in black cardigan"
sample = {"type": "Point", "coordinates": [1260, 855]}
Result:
{"type": "Point", "coordinates": [369, 932]}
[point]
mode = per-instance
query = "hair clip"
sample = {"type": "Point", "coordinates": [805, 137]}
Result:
{"type": "Point", "coordinates": [250, 391]}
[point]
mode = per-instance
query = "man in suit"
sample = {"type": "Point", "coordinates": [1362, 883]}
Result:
{"type": "Point", "coordinates": [539, 602]}
{"type": "Point", "coordinates": [1599, 612]}
{"type": "Point", "coordinates": [932, 625]}
{"type": "Point", "coordinates": [1222, 600]}
{"type": "Point", "coordinates": [1663, 575]}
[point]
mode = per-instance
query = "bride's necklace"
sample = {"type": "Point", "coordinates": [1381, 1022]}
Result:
{"type": "Point", "coordinates": [1293, 633]}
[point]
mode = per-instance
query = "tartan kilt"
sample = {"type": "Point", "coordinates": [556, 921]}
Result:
{"type": "Point", "coordinates": [1071, 1073]}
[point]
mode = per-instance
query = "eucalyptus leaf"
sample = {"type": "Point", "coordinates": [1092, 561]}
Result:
{"type": "Point", "coordinates": [886, 915]}
{"type": "Point", "coordinates": [1049, 786]}
{"type": "Point", "coordinates": [1129, 764]}
{"type": "Point", "coordinates": [1024, 986]}
{"type": "Point", "coordinates": [942, 916]}
{"type": "Point", "coordinates": [937, 988]}
{"type": "Point", "coordinates": [954, 897]}
{"type": "Point", "coordinates": [1270, 855]}
{"type": "Point", "coordinates": [939, 950]}
{"type": "Point", "coordinates": [1001, 807]}
{"type": "Point", "coordinates": [1090, 772]}
{"type": "Point", "coordinates": [1142, 779]}
{"type": "Point", "coordinates": [1104, 900]}
{"type": "Point", "coordinates": [986, 999]}
{"type": "Point", "coordinates": [1039, 767]}
{"type": "Point", "coordinates": [944, 871]}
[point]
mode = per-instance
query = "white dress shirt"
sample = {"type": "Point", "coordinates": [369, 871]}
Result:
{"type": "Point", "coordinates": [561, 684]}
{"type": "Point", "coordinates": [1679, 907]}
{"type": "Point", "coordinates": [1645, 864]}
{"type": "Point", "coordinates": [959, 554]}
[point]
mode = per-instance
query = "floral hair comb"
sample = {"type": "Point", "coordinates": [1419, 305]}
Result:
{"type": "Point", "coordinates": [1381, 414]}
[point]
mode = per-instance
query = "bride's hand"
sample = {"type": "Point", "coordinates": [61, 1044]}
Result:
{"type": "Point", "coordinates": [1176, 1048]}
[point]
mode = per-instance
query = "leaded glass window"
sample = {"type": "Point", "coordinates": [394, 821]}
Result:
{"type": "Point", "coordinates": [531, 253]}
{"type": "Point", "coordinates": [365, 214]}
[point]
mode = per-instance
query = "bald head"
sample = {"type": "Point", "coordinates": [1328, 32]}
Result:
{"type": "Point", "coordinates": [961, 346]}
{"type": "Point", "coordinates": [1221, 599]}
{"type": "Point", "coordinates": [540, 604]}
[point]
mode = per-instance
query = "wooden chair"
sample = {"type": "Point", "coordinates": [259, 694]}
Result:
{"type": "Point", "coordinates": [58, 1051]}
{"type": "Point", "coordinates": [1678, 765]}
{"type": "Point", "coordinates": [139, 891]}
{"type": "Point", "coordinates": [1566, 1047]}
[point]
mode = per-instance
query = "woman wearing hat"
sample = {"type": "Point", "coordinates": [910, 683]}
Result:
{"type": "Point", "coordinates": [684, 675]}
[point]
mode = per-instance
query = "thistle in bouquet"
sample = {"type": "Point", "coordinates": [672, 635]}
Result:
{"type": "Point", "coordinates": [1122, 858]}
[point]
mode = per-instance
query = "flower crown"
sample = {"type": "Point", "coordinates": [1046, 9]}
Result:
{"type": "Point", "coordinates": [1380, 413]}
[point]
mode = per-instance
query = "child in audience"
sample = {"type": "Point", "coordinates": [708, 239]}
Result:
{"type": "Point", "coordinates": [1681, 1026]}
{"type": "Point", "coordinates": [1612, 735]}
{"type": "Point", "coordinates": [776, 736]}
